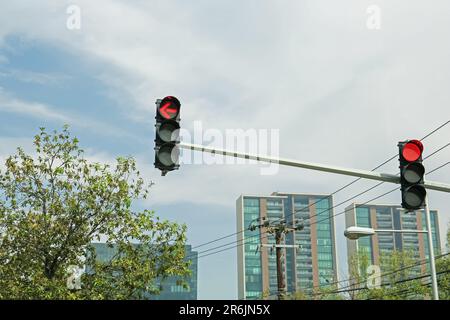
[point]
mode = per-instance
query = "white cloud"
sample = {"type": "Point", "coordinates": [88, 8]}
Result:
{"type": "Point", "coordinates": [9, 103]}
{"type": "Point", "coordinates": [339, 93]}
{"type": "Point", "coordinates": [34, 77]}
{"type": "Point", "coordinates": [312, 69]}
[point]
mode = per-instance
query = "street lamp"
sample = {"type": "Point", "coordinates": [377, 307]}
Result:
{"type": "Point", "coordinates": [354, 233]}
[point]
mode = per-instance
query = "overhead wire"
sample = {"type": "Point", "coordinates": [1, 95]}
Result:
{"type": "Point", "coordinates": [333, 193]}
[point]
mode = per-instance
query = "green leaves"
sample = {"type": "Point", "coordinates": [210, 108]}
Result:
{"type": "Point", "coordinates": [397, 281]}
{"type": "Point", "coordinates": [55, 204]}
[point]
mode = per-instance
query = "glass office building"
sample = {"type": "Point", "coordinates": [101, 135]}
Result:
{"type": "Point", "coordinates": [311, 262]}
{"type": "Point", "coordinates": [390, 217]}
{"type": "Point", "coordinates": [171, 288]}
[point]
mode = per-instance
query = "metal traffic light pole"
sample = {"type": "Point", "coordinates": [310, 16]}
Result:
{"type": "Point", "coordinates": [434, 283]}
{"type": "Point", "coordinates": [371, 175]}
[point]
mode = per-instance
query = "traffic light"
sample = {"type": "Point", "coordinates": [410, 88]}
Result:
{"type": "Point", "coordinates": [411, 174]}
{"type": "Point", "coordinates": [167, 134]}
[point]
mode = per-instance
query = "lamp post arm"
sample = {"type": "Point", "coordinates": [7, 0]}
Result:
{"type": "Point", "coordinates": [401, 231]}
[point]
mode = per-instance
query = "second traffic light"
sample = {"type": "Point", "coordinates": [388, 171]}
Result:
{"type": "Point", "coordinates": [411, 174]}
{"type": "Point", "coordinates": [167, 134]}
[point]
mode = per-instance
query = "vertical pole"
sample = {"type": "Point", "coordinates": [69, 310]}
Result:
{"type": "Point", "coordinates": [431, 252]}
{"type": "Point", "coordinates": [280, 273]}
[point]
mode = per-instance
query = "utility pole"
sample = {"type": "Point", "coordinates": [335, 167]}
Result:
{"type": "Point", "coordinates": [279, 230]}
{"type": "Point", "coordinates": [280, 272]}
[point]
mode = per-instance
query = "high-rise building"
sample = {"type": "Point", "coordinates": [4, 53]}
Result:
{"type": "Point", "coordinates": [171, 287]}
{"type": "Point", "coordinates": [310, 264]}
{"type": "Point", "coordinates": [391, 217]}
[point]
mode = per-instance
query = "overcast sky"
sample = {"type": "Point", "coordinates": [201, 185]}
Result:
{"type": "Point", "coordinates": [339, 92]}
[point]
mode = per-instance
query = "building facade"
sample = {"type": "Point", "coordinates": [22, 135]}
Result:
{"type": "Point", "coordinates": [391, 217]}
{"type": "Point", "coordinates": [171, 289]}
{"type": "Point", "coordinates": [312, 263]}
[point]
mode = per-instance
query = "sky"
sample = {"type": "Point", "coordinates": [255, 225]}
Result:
{"type": "Point", "coordinates": [339, 91]}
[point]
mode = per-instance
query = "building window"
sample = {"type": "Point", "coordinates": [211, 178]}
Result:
{"type": "Point", "coordinates": [362, 217]}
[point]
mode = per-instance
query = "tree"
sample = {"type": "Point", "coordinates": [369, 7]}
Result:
{"type": "Point", "coordinates": [448, 237]}
{"type": "Point", "coordinates": [443, 268]}
{"type": "Point", "coordinates": [396, 281]}
{"type": "Point", "coordinates": [358, 264]}
{"type": "Point", "coordinates": [328, 291]}
{"type": "Point", "coordinates": [54, 204]}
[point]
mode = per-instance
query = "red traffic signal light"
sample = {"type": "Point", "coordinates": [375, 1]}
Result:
{"type": "Point", "coordinates": [412, 150]}
{"type": "Point", "coordinates": [169, 108]}
{"type": "Point", "coordinates": [167, 135]}
{"type": "Point", "coordinates": [411, 174]}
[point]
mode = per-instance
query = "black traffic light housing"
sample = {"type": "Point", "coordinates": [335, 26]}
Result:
{"type": "Point", "coordinates": [412, 172]}
{"type": "Point", "coordinates": [167, 134]}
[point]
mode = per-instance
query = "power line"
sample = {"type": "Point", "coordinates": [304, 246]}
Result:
{"type": "Point", "coordinates": [261, 233]}
{"type": "Point", "coordinates": [329, 209]}
{"type": "Point", "coordinates": [441, 166]}
{"type": "Point", "coordinates": [412, 294]}
{"type": "Point", "coordinates": [342, 290]}
{"type": "Point", "coordinates": [379, 184]}
{"type": "Point", "coordinates": [411, 279]}
{"type": "Point", "coordinates": [366, 203]}
{"type": "Point", "coordinates": [438, 150]}
{"type": "Point", "coordinates": [242, 242]}
{"type": "Point", "coordinates": [419, 263]}
{"type": "Point", "coordinates": [327, 218]}
{"type": "Point", "coordinates": [437, 129]}
{"type": "Point", "coordinates": [377, 167]}
{"type": "Point", "coordinates": [373, 187]}
{"type": "Point", "coordinates": [332, 207]}
{"type": "Point", "coordinates": [333, 193]}
{"type": "Point", "coordinates": [383, 285]}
